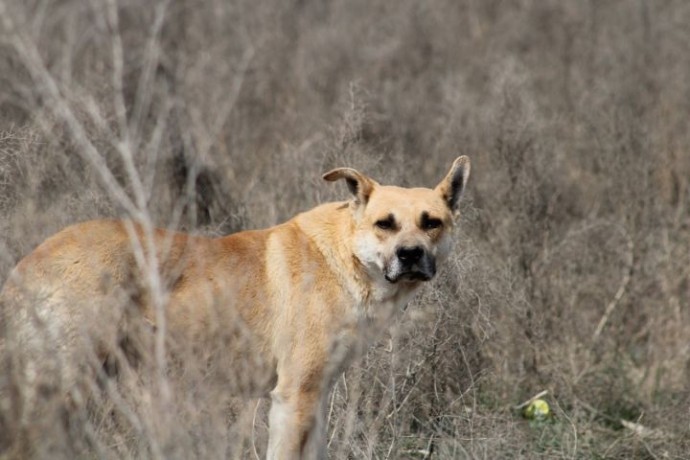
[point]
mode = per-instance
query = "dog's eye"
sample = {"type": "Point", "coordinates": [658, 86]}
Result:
{"type": "Point", "coordinates": [430, 224]}
{"type": "Point", "coordinates": [385, 224]}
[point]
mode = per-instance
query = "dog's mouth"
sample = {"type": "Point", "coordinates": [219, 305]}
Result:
{"type": "Point", "coordinates": [422, 271]}
{"type": "Point", "coordinates": [411, 276]}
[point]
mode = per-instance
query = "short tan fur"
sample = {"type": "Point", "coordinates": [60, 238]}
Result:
{"type": "Point", "coordinates": [308, 291]}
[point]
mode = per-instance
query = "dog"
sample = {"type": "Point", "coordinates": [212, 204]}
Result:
{"type": "Point", "coordinates": [308, 293]}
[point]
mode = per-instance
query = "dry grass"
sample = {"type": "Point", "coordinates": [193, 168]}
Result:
{"type": "Point", "coordinates": [571, 269]}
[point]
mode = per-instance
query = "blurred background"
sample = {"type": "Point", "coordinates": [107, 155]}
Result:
{"type": "Point", "coordinates": [571, 271]}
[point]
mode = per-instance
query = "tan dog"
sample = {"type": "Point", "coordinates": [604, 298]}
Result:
{"type": "Point", "coordinates": [307, 292]}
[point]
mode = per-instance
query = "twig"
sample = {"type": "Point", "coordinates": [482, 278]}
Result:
{"type": "Point", "coordinates": [256, 410]}
{"type": "Point", "coordinates": [429, 448]}
{"type": "Point", "coordinates": [541, 394]}
{"type": "Point", "coordinates": [627, 276]}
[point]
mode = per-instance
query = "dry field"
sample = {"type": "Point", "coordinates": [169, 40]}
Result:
{"type": "Point", "coordinates": [571, 271]}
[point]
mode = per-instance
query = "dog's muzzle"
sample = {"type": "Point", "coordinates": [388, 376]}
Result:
{"type": "Point", "coordinates": [411, 264]}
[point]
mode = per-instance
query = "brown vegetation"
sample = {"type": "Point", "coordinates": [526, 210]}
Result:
{"type": "Point", "coordinates": [571, 271]}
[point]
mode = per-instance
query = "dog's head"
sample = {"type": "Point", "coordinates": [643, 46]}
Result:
{"type": "Point", "coordinates": [401, 233]}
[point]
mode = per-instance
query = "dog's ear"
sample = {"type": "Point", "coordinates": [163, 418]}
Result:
{"type": "Point", "coordinates": [452, 186]}
{"type": "Point", "coordinates": [360, 185]}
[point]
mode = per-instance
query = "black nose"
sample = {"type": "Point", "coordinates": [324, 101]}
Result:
{"type": "Point", "coordinates": [410, 255]}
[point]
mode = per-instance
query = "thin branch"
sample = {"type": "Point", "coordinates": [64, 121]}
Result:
{"type": "Point", "coordinates": [144, 93]}
{"type": "Point", "coordinates": [627, 276]}
{"type": "Point", "coordinates": [256, 410]}
{"type": "Point", "coordinates": [541, 394]}
{"type": "Point", "coordinates": [47, 87]}
{"type": "Point", "coordinates": [112, 19]}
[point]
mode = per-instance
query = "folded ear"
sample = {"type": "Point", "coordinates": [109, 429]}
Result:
{"type": "Point", "coordinates": [452, 186]}
{"type": "Point", "coordinates": [360, 185]}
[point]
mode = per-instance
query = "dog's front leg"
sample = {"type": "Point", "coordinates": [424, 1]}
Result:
{"type": "Point", "coordinates": [296, 426]}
